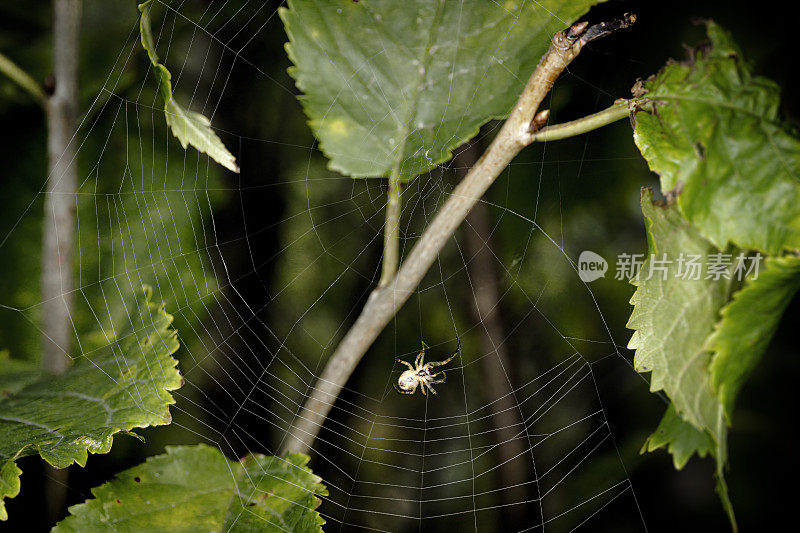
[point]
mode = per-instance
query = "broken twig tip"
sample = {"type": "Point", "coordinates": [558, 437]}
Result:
{"type": "Point", "coordinates": [605, 28]}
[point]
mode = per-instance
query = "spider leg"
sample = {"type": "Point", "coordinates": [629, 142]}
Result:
{"type": "Point", "coordinates": [442, 363]}
{"type": "Point", "coordinates": [405, 363]}
{"type": "Point", "coordinates": [422, 388]}
{"type": "Point", "coordinates": [430, 388]}
{"type": "Point", "coordinates": [421, 356]}
{"type": "Point", "coordinates": [441, 377]}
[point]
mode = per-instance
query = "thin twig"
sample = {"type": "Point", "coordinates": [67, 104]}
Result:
{"type": "Point", "coordinates": [386, 300]}
{"type": "Point", "coordinates": [59, 213]}
{"type": "Point", "coordinates": [59, 205]}
{"type": "Point", "coordinates": [23, 79]}
{"type": "Point", "coordinates": [618, 110]}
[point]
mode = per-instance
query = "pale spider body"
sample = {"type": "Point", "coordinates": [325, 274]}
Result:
{"type": "Point", "coordinates": [422, 374]}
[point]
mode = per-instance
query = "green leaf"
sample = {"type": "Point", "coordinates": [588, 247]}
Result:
{"type": "Point", "coordinates": [395, 86]}
{"type": "Point", "coordinates": [188, 126]}
{"type": "Point", "coordinates": [194, 128]}
{"type": "Point", "coordinates": [122, 386]}
{"type": "Point", "coordinates": [714, 136]}
{"type": "Point", "coordinates": [196, 488]}
{"type": "Point", "coordinates": [730, 167]}
{"type": "Point", "coordinates": [680, 438]}
{"type": "Point", "coordinates": [9, 485]}
{"type": "Point", "coordinates": [672, 318]}
{"type": "Point", "coordinates": [748, 323]}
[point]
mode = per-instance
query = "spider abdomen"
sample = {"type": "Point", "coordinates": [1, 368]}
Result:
{"type": "Point", "coordinates": [408, 380]}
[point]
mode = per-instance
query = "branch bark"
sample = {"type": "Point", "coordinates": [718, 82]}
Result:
{"type": "Point", "coordinates": [59, 205]}
{"type": "Point", "coordinates": [385, 301]}
{"type": "Point", "coordinates": [59, 214]}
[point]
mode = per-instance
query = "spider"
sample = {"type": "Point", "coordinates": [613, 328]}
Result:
{"type": "Point", "coordinates": [421, 373]}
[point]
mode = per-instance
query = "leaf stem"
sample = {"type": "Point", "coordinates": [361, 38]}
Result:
{"type": "Point", "coordinates": [391, 229]}
{"type": "Point", "coordinates": [618, 110]}
{"type": "Point", "coordinates": [23, 79]}
{"type": "Point", "coordinates": [386, 300]}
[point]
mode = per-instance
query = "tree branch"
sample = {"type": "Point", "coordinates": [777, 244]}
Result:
{"type": "Point", "coordinates": [386, 300]}
{"type": "Point", "coordinates": [59, 210]}
{"type": "Point", "coordinates": [59, 214]}
{"type": "Point", "coordinates": [23, 79]}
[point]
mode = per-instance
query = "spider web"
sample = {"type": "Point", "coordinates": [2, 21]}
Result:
{"type": "Point", "coordinates": [261, 301]}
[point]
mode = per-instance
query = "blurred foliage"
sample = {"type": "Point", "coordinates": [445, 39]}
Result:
{"type": "Point", "coordinates": [139, 206]}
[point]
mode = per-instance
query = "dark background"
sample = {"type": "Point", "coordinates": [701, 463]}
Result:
{"type": "Point", "coordinates": [585, 188]}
